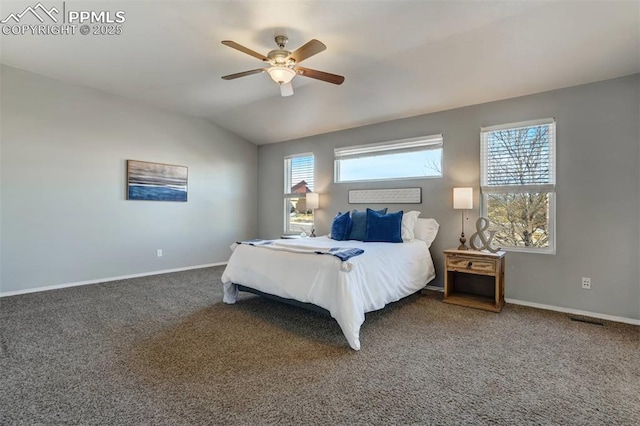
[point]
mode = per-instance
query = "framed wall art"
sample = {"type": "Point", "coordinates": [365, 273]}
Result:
{"type": "Point", "coordinates": [156, 181]}
{"type": "Point", "coordinates": [386, 196]}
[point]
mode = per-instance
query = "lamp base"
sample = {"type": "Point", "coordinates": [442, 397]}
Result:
{"type": "Point", "coordinates": [462, 245]}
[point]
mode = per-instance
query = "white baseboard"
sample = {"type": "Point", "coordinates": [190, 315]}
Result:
{"type": "Point", "coordinates": [575, 311]}
{"type": "Point", "coordinates": [435, 288]}
{"type": "Point", "coordinates": [104, 280]}
{"type": "Point", "coordinates": [560, 309]}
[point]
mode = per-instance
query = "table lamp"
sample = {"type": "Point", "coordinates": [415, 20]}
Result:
{"type": "Point", "coordinates": [463, 200]}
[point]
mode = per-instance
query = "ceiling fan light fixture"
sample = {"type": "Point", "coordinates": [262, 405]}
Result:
{"type": "Point", "coordinates": [283, 65]}
{"type": "Point", "coordinates": [281, 75]}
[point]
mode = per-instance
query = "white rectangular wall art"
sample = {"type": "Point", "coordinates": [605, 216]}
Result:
{"type": "Point", "coordinates": [387, 196]}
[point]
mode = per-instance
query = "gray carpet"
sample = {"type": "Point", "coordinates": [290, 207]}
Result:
{"type": "Point", "coordinates": [166, 350]}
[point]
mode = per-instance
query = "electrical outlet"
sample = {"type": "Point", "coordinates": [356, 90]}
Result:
{"type": "Point", "coordinates": [586, 283]}
{"type": "Point", "coordinates": [159, 252]}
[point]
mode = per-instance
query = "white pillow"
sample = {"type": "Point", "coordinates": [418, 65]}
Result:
{"type": "Point", "coordinates": [408, 223]}
{"type": "Point", "coordinates": [426, 230]}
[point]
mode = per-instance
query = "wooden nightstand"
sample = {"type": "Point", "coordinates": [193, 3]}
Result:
{"type": "Point", "coordinates": [474, 279]}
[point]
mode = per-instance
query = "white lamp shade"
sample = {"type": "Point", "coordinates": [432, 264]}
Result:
{"type": "Point", "coordinates": [281, 75]}
{"type": "Point", "coordinates": [463, 198]}
{"type": "Point", "coordinates": [313, 200]}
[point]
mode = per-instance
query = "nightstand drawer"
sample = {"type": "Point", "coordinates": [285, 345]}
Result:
{"type": "Point", "coordinates": [471, 265]}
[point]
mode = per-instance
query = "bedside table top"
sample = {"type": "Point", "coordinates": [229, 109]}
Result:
{"type": "Point", "coordinates": [476, 253]}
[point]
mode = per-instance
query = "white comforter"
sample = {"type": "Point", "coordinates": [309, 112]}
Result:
{"type": "Point", "coordinates": [384, 273]}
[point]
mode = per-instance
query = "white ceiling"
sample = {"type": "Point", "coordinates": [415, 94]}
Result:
{"type": "Point", "coordinates": [400, 58]}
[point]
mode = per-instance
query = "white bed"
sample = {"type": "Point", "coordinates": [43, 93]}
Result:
{"type": "Point", "coordinates": [384, 273]}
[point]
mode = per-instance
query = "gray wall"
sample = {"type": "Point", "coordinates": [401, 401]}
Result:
{"type": "Point", "coordinates": [64, 216]}
{"type": "Point", "coordinates": [598, 190]}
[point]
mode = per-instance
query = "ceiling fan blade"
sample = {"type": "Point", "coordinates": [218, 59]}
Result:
{"type": "Point", "coordinates": [307, 50]}
{"type": "Point", "coordinates": [246, 50]}
{"type": "Point", "coordinates": [242, 74]}
{"type": "Point", "coordinates": [286, 89]}
{"type": "Point", "coordinates": [320, 75]}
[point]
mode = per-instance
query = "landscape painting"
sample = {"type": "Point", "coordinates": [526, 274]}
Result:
{"type": "Point", "coordinates": [156, 182]}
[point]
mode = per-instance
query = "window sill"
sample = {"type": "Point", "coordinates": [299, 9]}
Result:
{"type": "Point", "coordinates": [528, 250]}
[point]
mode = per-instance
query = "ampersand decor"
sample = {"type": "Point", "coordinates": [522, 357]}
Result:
{"type": "Point", "coordinates": [482, 224]}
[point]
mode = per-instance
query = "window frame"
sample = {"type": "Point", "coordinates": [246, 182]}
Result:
{"type": "Point", "coordinates": [548, 188]}
{"type": "Point", "coordinates": [416, 144]}
{"type": "Point", "coordinates": [288, 195]}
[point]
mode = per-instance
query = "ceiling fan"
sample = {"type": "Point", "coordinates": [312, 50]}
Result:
{"type": "Point", "coordinates": [283, 65]}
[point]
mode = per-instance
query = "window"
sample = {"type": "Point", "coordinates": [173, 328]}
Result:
{"type": "Point", "coordinates": [518, 184]}
{"type": "Point", "coordinates": [298, 181]}
{"type": "Point", "coordinates": [403, 159]}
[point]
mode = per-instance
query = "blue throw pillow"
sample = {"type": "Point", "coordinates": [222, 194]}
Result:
{"type": "Point", "coordinates": [341, 226]}
{"type": "Point", "coordinates": [384, 228]}
{"type": "Point", "coordinates": [359, 224]}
